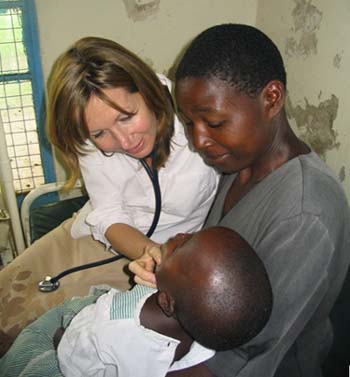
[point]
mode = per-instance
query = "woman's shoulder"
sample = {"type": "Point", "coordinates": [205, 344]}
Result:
{"type": "Point", "coordinates": [305, 186]}
{"type": "Point", "coordinates": [321, 188]}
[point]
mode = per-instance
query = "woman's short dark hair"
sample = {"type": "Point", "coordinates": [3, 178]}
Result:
{"type": "Point", "coordinates": [240, 55]}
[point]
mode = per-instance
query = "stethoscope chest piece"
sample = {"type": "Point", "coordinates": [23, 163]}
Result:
{"type": "Point", "coordinates": [47, 285]}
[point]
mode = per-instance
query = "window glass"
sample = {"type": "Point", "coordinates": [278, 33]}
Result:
{"type": "Point", "coordinates": [17, 101]}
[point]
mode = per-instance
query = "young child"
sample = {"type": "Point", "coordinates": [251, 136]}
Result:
{"type": "Point", "coordinates": [212, 288]}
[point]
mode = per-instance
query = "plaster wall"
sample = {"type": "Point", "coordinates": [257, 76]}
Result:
{"type": "Point", "coordinates": [313, 37]}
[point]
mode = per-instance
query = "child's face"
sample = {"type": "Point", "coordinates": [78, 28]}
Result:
{"type": "Point", "coordinates": [187, 259]}
{"type": "Point", "coordinates": [173, 244]}
{"type": "Point", "coordinates": [172, 258]}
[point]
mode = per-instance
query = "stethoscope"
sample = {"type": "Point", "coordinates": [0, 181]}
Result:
{"type": "Point", "coordinates": [50, 284]}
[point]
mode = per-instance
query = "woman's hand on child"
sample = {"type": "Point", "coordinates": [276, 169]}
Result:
{"type": "Point", "coordinates": [143, 267]}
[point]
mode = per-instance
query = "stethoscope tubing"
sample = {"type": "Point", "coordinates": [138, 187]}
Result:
{"type": "Point", "coordinates": [153, 176]}
{"type": "Point", "coordinates": [50, 284]}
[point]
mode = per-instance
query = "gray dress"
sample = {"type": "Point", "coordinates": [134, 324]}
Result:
{"type": "Point", "coordinates": [298, 221]}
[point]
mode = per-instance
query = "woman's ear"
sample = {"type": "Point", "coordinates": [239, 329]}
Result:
{"type": "Point", "coordinates": [166, 303]}
{"type": "Point", "coordinates": [273, 96]}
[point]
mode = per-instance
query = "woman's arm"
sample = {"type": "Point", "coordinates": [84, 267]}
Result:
{"type": "Point", "coordinates": [128, 241]}
{"type": "Point", "coordinates": [119, 190]}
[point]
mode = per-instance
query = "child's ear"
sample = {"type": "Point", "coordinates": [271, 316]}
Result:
{"type": "Point", "coordinates": [166, 303]}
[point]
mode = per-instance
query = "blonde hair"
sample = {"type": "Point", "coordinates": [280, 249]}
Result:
{"type": "Point", "coordinates": [91, 65]}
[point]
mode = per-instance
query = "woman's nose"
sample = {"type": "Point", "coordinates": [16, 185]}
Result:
{"type": "Point", "coordinates": [122, 137]}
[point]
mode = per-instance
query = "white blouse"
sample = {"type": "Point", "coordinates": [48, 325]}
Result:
{"type": "Point", "coordinates": [120, 191]}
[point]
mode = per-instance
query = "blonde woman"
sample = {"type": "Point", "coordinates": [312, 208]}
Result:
{"type": "Point", "coordinates": [107, 114]}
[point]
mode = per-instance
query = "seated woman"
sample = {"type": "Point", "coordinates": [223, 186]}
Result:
{"type": "Point", "coordinates": [276, 192]}
{"type": "Point", "coordinates": [221, 277]}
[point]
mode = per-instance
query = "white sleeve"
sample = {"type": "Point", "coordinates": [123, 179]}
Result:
{"type": "Point", "coordinates": [105, 191]}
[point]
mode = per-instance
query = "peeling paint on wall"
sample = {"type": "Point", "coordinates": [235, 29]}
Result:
{"type": "Point", "coordinates": [337, 60]}
{"type": "Point", "coordinates": [140, 10]}
{"type": "Point", "coordinates": [307, 20]}
{"type": "Point", "coordinates": [315, 124]}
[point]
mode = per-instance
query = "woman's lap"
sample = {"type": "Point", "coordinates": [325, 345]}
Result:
{"type": "Point", "coordinates": [20, 300]}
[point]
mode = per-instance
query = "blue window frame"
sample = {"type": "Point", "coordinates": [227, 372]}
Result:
{"type": "Point", "coordinates": [22, 97]}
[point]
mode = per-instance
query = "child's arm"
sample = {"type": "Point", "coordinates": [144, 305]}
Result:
{"type": "Point", "coordinates": [183, 348]}
{"type": "Point", "coordinates": [57, 337]}
{"type": "Point", "coordinates": [128, 241]}
{"type": "Point", "coordinates": [5, 342]}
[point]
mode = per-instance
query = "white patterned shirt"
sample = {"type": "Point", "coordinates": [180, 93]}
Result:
{"type": "Point", "coordinates": [106, 339]}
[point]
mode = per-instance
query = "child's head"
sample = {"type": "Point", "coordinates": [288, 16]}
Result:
{"type": "Point", "coordinates": [216, 286]}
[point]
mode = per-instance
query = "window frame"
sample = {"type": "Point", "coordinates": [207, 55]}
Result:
{"type": "Point", "coordinates": [31, 43]}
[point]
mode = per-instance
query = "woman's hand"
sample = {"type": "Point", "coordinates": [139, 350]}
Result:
{"type": "Point", "coordinates": [143, 267]}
